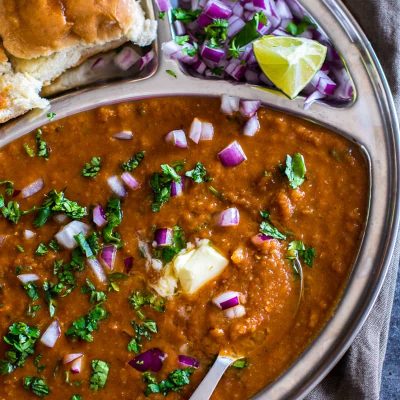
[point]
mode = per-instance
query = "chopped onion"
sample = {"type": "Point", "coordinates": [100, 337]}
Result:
{"type": "Point", "coordinates": [99, 216]}
{"type": "Point", "coordinates": [29, 234]}
{"type": "Point", "coordinates": [323, 83]}
{"type": "Point", "coordinates": [76, 365]}
{"type": "Point", "coordinates": [312, 98]}
{"type": "Point", "coordinates": [217, 10]}
{"type": "Point", "coordinates": [71, 357]}
{"type": "Point", "coordinates": [156, 264]}
{"type": "Point", "coordinates": [227, 300]}
{"type": "Point", "coordinates": [146, 59]}
{"type": "Point", "coordinates": [163, 5]}
{"type": "Point", "coordinates": [128, 264]}
{"type": "Point", "coordinates": [229, 217]}
{"type": "Point", "coordinates": [214, 54]}
{"type": "Point", "coordinates": [188, 361]}
{"type": "Point", "coordinates": [260, 239]}
{"type": "Point", "coordinates": [32, 188]}
{"type": "Point", "coordinates": [232, 155]}
{"type": "Point", "coordinates": [130, 181]}
{"type": "Point", "coordinates": [126, 58]}
{"type": "Point", "coordinates": [235, 312]}
{"type": "Point", "coordinates": [150, 360]}
{"type": "Point", "coordinates": [107, 256]}
{"type": "Point", "coordinates": [252, 126]}
{"type": "Point", "coordinates": [248, 108]}
{"type": "Point", "coordinates": [60, 218]}
{"type": "Point", "coordinates": [163, 237]}
{"type": "Point", "coordinates": [65, 236]}
{"type": "Point", "coordinates": [195, 130]}
{"type": "Point", "coordinates": [177, 138]}
{"type": "Point", "coordinates": [123, 135]}
{"type": "Point", "coordinates": [97, 269]}
{"type": "Point", "coordinates": [207, 131]}
{"type": "Point", "coordinates": [177, 187]}
{"type": "Point", "coordinates": [51, 334]}
{"type": "Point", "coordinates": [116, 186]}
{"type": "Point", "coordinates": [229, 104]}
{"type": "Point", "coordinates": [26, 278]}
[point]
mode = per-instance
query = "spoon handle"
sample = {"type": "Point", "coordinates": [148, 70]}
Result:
{"type": "Point", "coordinates": [210, 381]}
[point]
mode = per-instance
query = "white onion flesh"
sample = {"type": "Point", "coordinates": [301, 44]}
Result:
{"type": "Point", "coordinates": [65, 236]}
{"type": "Point", "coordinates": [51, 334]}
{"type": "Point", "coordinates": [235, 312]}
{"type": "Point", "coordinates": [26, 278]}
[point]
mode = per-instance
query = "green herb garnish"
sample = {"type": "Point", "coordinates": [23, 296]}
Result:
{"type": "Point", "coordinates": [185, 16]}
{"type": "Point", "coordinates": [198, 173]}
{"type": "Point", "coordinates": [161, 15]}
{"type": "Point", "coordinates": [241, 363]}
{"type": "Point", "coordinates": [268, 229]}
{"type": "Point", "coordinates": [51, 116]}
{"type": "Point", "coordinates": [98, 378]}
{"type": "Point", "coordinates": [31, 291]}
{"type": "Point", "coordinates": [42, 149]}
{"type": "Point", "coordinates": [41, 250]}
{"type": "Point", "coordinates": [167, 253]}
{"type": "Point", "coordinates": [92, 168]}
{"type": "Point", "coordinates": [297, 249]}
{"type": "Point", "coordinates": [170, 72]}
{"type": "Point", "coordinates": [9, 187]}
{"type": "Point", "coordinates": [36, 385]}
{"type": "Point", "coordinates": [114, 219]}
{"type": "Point", "coordinates": [96, 296]}
{"type": "Point", "coordinates": [139, 300]}
{"type": "Point", "coordinates": [297, 29]}
{"type": "Point", "coordinates": [295, 170]}
{"type": "Point", "coordinates": [174, 382]}
{"type": "Point", "coordinates": [28, 149]}
{"type": "Point", "coordinates": [133, 162]}
{"type": "Point", "coordinates": [83, 245]}
{"type": "Point", "coordinates": [143, 330]}
{"type": "Point", "coordinates": [216, 32]}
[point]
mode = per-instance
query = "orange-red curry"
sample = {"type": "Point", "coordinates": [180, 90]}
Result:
{"type": "Point", "coordinates": [325, 214]}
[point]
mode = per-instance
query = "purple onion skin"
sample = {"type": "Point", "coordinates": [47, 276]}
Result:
{"type": "Point", "coordinates": [128, 264]}
{"type": "Point", "coordinates": [150, 360]}
{"type": "Point", "coordinates": [188, 361]}
{"type": "Point", "coordinates": [234, 301]}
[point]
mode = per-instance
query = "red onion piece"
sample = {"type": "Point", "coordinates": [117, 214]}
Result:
{"type": "Point", "coordinates": [227, 300]}
{"type": "Point", "coordinates": [71, 357]}
{"type": "Point", "coordinates": [235, 25]}
{"type": "Point", "coordinates": [248, 108]}
{"type": "Point", "coordinates": [76, 365]}
{"type": "Point", "coordinates": [146, 59]}
{"type": "Point", "coordinates": [123, 135]}
{"type": "Point", "coordinates": [188, 361]}
{"type": "Point", "coordinates": [229, 104]}
{"type": "Point", "coordinates": [229, 217]}
{"type": "Point", "coordinates": [232, 155]}
{"type": "Point", "coordinates": [179, 27]}
{"type": "Point", "coordinates": [60, 218]}
{"type": "Point", "coordinates": [107, 256]}
{"type": "Point", "coordinates": [128, 264]}
{"type": "Point", "coordinates": [116, 186]}
{"type": "Point", "coordinates": [323, 83]}
{"type": "Point", "coordinates": [312, 98]}
{"type": "Point", "coordinates": [99, 216]}
{"type": "Point", "coordinates": [126, 58]}
{"type": "Point", "coordinates": [177, 138]}
{"type": "Point", "coordinates": [97, 269]}
{"type": "Point", "coordinates": [51, 334]}
{"type": "Point", "coordinates": [150, 360]}
{"type": "Point", "coordinates": [207, 131]}
{"type": "Point", "coordinates": [252, 126]}
{"type": "Point", "coordinates": [28, 234]}
{"type": "Point", "coordinates": [26, 278]}
{"type": "Point", "coordinates": [235, 312]}
{"type": "Point", "coordinates": [130, 181]}
{"type": "Point", "coordinates": [195, 130]}
{"type": "Point", "coordinates": [65, 236]}
{"type": "Point", "coordinates": [163, 237]}
{"type": "Point", "coordinates": [163, 5]}
{"type": "Point", "coordinates": [259, 239]}
{"type": "Point", "coordinates": [177, 187]}
{"type": "Point", "coordinates": [212, 53]}
{"type": "Point", "coordinates": [203, 20]}
{"type": "Point", "coordinates": [217, 10]}
{"type": "Point", "coordinates": [98, 64]}
{"type": "Point", "coordinates": [32, 188]}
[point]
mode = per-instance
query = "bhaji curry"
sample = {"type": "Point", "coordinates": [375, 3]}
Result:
{"type": "Point", "coordinates": [139, 240]}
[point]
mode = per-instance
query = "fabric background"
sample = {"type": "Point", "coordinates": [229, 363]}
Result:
{"type": "Point", "coordinates": [358, 375]}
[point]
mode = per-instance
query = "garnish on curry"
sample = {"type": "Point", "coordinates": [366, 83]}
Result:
{"type": "Point", "coordinates": [140, 239]}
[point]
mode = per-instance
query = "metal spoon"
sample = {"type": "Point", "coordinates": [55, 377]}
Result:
{"type": "Point", "coordinates": [214, 375]}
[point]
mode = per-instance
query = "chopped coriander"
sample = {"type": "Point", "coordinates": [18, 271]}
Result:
{"type": "Point", "coordinates": [42, 149]}
{"type": "Point", "coordinates": [28, 149]}
{"type": "Point", "coordinates": [53, 245]}
{"type": "Point", "coordinates": [95, 295]}
{"type": "Point", "coordinates": [83, 327]}
{"type": "Point", "coordinates": [143, 330]}
{"type": "Point", "coordinates": [185, 16]}
{"type": "Point", "coordinates": [51, 116]}
{"type": "Point", "coordinates": [41, 250]}
{"type": "Point", "coordinates": [36, 363]}
{"type": "Point", "coordinates": [12, 211]}
{"type": "Point", "coordinates": [36, 385]}
{"type": "Point", "coordinates": [83, 244]}
{"type": "Point", "coordinates": [114, 219]}
{"type": "Point", "coordinates": [170, 72]}
{"type": "Point", "coordinates": [141, 299]}
{"type": "Point", "coordinates": [167, 253]}
{"type": "Point", "coordinates": [98, 378]}
{"type": "Point", "coordinates": [22, 339]}
{"type": "Point", "coordinates": [297, 29]}
{"type": "Point", "coordinates": [76, 397]}
{"type": "Point", "coordinates": [161, 15]}
{"type": "Point", "coordinates": [133, 162]}
{"type": "Point", "coordinates": [174, 382]}
{"type": "Point", "coordinates": [297, 249]}
{"type": "Point", "coordinates": [241, 363]}
{"type": "Point", "coordinates": [20, 248]}
{"type": "Point", "coordinates": [93, 242]}
{"type": "Point", "coordinates": [31, 291]}
{"type": "Point", "coordinates": [216, 32]}
{"type": "Point", "coordinates": [113, 278]}
{"type": "Point", "coordinates": [9, 187]}
{"type": "Point", "coordinates": [161, 185]}
{"type": "Point", "coordinates": [217, 71]}
{"type": "Point", "coordinates": [181, 40]}
{"type": "Point", "coordinates": [57, 202]}
{"type": "Point", "coordinates": [32, 310]}
{"type": "Point", "coordinates": [268, 229]}
{"type": "Point", "coordinates": [51, 291]}
{"type": "Point", "coordinates": [295, 170]}
{"type": "Point", "coordinates": [92, 168]}
{"type": "Point", "coordinates": [198, 173]}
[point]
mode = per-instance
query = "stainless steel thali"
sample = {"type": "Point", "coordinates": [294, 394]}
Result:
{"type": "Point", "coordinates": [370, 121]}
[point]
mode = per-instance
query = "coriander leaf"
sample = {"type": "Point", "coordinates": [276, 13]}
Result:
{"type": "Point", "coordinates": [181, 40]}
{"type": "Point", "coordinates": [92, 168]}
{"type": "Point", "coordinates": [83, 244]}
{"type": "Point", "coordinates": [167, 253]}
{"type": "Point", "coordinates": [295, 170]}
{"type": "Point", "coordinates": [114, 219]}
{"type": "Point", "coordinates": [11, 211]}
{"type": "Point", "coordinates": [57, 202]}
{"type": "Point", "coordinates": [20, 248]}
{"type": "Point", "coordinates": [297, 29]}
{"type": "Point", "coordinates": [268, 229]}
{"type": "Point", "coordinates": [143, 330]}
{"type": "Point", "coordinates": [216, 32]}
{"type": "Point", "coordinates": [161, 15]}
{"type": "Point", "coordinates": [93, 242]}
{"type": "Point", "coordinates": [141, 299]}
{"type": "Point", "coordinates": [198, 173]}
{"type": "Point", "coordinates": [29, 150]}
{"type": "Point", "coordinates": [53, 245]}
{"type": "Point", "coordinates": [9, 187]}
{"type": "Point", "coordinates": [36, 363]}
{"type": "Point", "coordinates": [41, 250]}
{"type": "Point", "coordinates": [42, 149]}
{"type": "Point", "coordinates": [83, 327]}
{"type": "Point", "coordinates": [185, 16]}
{"type": "Point", "coordinates": [36, 385]}
{"type": "Point", "coordinates": [308, 256]}
{"type": "Point", "coordinates": [133, 162]}
{"type": "Point", "coordinates": [32, 310]}
{"type": "Point", "coordinates": [51, 116]}
{"type": "Point", "coordinates": [297, 249]}
{"type": "Point", "coordinates": [99, 374]}
{"type": "Point", "coordinates": [170, 72]}
{"type": "Point", "coordinates": [174, 382]}
{"type": "Point", "coordinates": [22, 339]}
{"type": "Point", "coordinates": [96, 296]}
{"type": "Point", "coordinates": [241, 363]}
{"type": "Point", "coordinates": [31, 291]}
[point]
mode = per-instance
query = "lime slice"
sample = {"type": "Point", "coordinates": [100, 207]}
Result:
{"type": "Point", "coordinates": [290, 63]}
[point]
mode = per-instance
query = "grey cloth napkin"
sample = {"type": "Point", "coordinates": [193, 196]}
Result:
{"type": "Point", "coordinates": [358, 374]}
